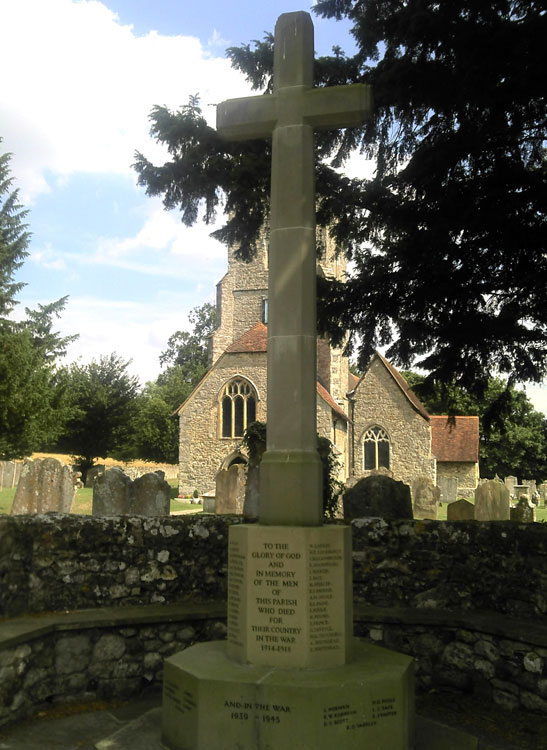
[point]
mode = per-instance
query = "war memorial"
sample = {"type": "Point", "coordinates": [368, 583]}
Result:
{"type": "Point", "coordinates": [290, 672]}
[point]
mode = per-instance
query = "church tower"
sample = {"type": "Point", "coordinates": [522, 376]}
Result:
{"type": "Point", "coordinates": [242, 302]}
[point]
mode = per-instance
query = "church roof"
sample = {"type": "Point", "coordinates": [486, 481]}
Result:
{"type": "Point", "coordinates": [325, 395]}
{"type": "Point", "coordinates": [455, 439]}
{"type": "Point", "coordinates": [352, 381]}
{"type": "Point", "coordinates": [253, 340]}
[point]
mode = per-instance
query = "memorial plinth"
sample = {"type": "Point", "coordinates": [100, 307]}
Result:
{"type": "Point", "coordinates": [290, 673]}
{"type": "Point", "coordinates": [212, 702]}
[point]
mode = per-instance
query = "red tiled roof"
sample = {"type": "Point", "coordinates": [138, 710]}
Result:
{"type": "Point", "coordinates": [253, 340]}
{"type": "Point", "coordinates": [456, 440]}
{"type": "Point", "coordinates": [352, 381]}
{"type": "Point", "coordinates": [325, 395]}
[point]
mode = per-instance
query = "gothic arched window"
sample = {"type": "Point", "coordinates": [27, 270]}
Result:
{"type": "Point", "coordinates": [238, 407]}
{"type": "Point", "coordinates": [376, 448]}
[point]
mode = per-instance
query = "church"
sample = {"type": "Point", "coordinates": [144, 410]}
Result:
{"type": "Point", "coordinates": [375, 422]}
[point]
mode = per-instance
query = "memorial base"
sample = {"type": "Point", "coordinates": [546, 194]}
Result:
{"type": "Point", "coordinates": [211, 702]}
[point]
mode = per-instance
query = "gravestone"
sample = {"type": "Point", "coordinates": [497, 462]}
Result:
{"type": "Point", "coordinates": [542, 489]}
{"type": "Point", "coordinates": [460, 510]}
{"type": "Point", "coordinates": [524, 511]}
{"type": "Point", "coordinates": [10, 471]}
{"type": "Point", "coordinates": [377, 496]}
{"type": "Point", "coordinates": [449, 489]}
{"type": "Point", "coordinates": [115, 494]}
{"type": "Point", "coordinates": [426, 498]}
{"type": "Point", "coordinates": [230, 490]}
{"type": "Point", "coordinates": [510, 483]}
{"type": "Point", "coordinates": [45, 485]}
{"type": "Point", "coordinates": [93, 473]}
{"type": "Point", "coordinates": [290, 674]}
{"type": "Point", "coordinates": [531, 484]}
{"type": "Point", "coordinates": [492, 501]}
{"type": "Point", "coordinates": [521, 489]}
{"type": "Point", "coordinates": [209, 501]}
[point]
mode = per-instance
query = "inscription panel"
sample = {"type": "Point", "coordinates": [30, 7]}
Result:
{"type": "Point", "coordinates": [289, 595]}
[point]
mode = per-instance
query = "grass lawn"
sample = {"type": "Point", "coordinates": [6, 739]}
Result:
{"type": "Point", "coordinates": [84, 500]}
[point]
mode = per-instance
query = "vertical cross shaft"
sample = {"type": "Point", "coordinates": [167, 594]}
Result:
{"type": "Point", "coordinates": [290, 472]}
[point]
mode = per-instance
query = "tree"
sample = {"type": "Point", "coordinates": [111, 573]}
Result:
{"type": "Point", "coordinates": [14, 238]}
{"type": "Point", "coordinates": [103, 399]}
{"type": "Point", "coordinates": [32, 395]}
{"type": "Point", "coordinates": [189, 351]}
{"type": "Point", "coordinates": [513, 436]}
{"type": "Point", "coordinates": [32, 399]}
{"type": "Point", "coordinates": [155, 429]}
{"type": "Point", "coordinates": [447, 239]}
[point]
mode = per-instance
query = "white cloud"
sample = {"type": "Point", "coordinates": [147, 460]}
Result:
{"type": "Point", "coordinates": [162, 247]}
{"type": "Point", "coordinates": [82, 85]}
{"type": "Point", "coordinates": [136, 331]}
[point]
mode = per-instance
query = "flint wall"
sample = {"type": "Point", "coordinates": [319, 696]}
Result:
{"type": "Point", "coordinates": [468, 600]}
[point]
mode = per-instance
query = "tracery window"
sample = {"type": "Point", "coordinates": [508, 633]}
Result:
{"type": "Point", "coordinates": [376, 448]}
{"type": "Point", "coordinates": [238, 408]}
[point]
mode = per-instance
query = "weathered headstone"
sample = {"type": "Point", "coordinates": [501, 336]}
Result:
{"type": "Point", "coordinates": [289, 578]}
{"type": "Point", "coordinates": [377, 496]}
{"type": "Point", "coordinates": [151, 495]}
{"type": "Point", "coordinates": [45, 485]}
{"type": "Point", "coordinates": [510, 483]}
{"type": "Point", "coordinates": [542, 489]}
{"type": "Point", "coordinates": [460, 510]}
{"type": "Point", "coordinates": [426, 498]}
{"type": "Point", "coordinates": [524, 511]}
{"type": "Point", "coordinates": [10, 471]}
{"type": "Point", "coordinates": [492, 502]}
{"type": "Point", "coordinates": [93, 473]}
{"type": "Point", "coordinates": [230, 492]}
{"type": "Point", "coordinates": [209, 501]}
{"type": "Point", "coordinates": [531, 484]}
{"type": "Point", "coordinates": [449, 489]}
{"type": "Point", "coordinates": [521, 489]}
{"type": "Point", "coordinates": [115, 494]}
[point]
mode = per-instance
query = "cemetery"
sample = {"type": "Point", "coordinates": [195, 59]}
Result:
{"type": "Point", "coordinates": [286, 628]}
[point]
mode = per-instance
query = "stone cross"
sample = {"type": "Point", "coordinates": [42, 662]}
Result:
{"type": "Point", "coordinates": [291, 469]}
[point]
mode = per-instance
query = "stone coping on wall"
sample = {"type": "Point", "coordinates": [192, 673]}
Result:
{"type": "Point", "coordinates": [18, 630]}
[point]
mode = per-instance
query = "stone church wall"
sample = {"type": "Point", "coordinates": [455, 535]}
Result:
{"type": "Point", "coordinates": [466, 473]}
{"type": "Point", "coordinates": [202, 449]}
{"type": "Point", "coordinates": [380, 401]}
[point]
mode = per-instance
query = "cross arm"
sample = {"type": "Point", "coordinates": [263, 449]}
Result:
{"type": "Point", "coordinates": [338, 106]}
{"type": "Point", "coordinates": [247, 118]}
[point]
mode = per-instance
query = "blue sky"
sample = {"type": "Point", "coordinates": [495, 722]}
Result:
{"type": "Point", "coordinates": [81, 77]}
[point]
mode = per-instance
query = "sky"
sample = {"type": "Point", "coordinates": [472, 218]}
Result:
{"type": "Point", "coordinates": [80, 79]}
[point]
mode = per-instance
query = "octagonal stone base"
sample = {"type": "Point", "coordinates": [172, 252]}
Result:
{"type": "Point", "coordinates": [211, 702]}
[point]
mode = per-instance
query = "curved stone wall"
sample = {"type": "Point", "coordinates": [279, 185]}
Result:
{"type": "Point", "coordinates": [468, 600]}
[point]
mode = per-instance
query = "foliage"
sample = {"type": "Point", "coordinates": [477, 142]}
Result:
{"type": "Point", "coordinates": [154, 430]}
{"type": "Point", "coordinates": [189, 351]}
{"type": "Point", "coordinates": [332, 487]}
{"type": "Point", "coordinates": [14, 238]}
{"type": "Point", "coordinates": [103, 399]}
{"type": "Point", "coordinates": [39, 323]}
{"type": "Point", "coordinates": [254, 441]}
{"type": "Point", "coordinates": [32, 401]}
{"type": "Point", "coordinates": [513, 436]}
{"type": "Point", "coordinates": [447, 238]}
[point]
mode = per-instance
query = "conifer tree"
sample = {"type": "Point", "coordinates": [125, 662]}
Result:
{"type": "Point", "coordinates": [448, 238]}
